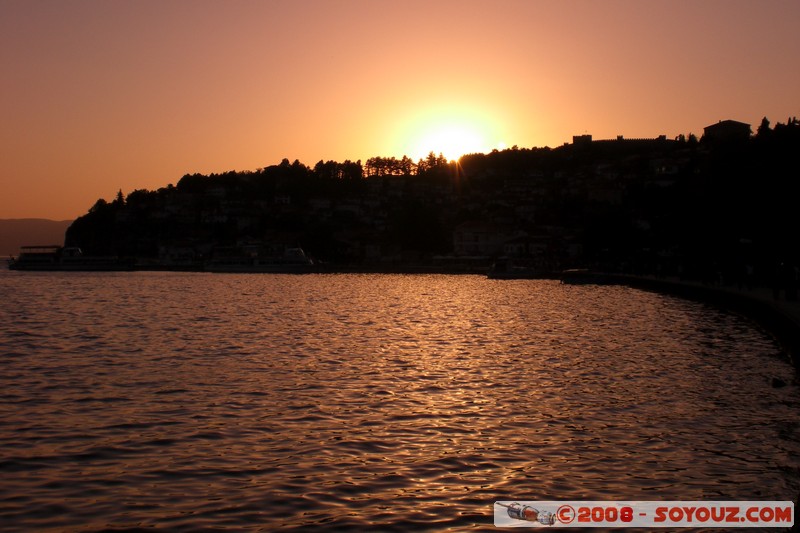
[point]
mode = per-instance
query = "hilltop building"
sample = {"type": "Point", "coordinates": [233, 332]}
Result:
{"type": "Point", "coordinates": [727, 131]}
{"type": "Point", "coordinates": [581, 140]}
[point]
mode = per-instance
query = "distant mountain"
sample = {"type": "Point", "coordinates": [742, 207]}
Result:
{"type": "Point", "coordinates": [30, 231]}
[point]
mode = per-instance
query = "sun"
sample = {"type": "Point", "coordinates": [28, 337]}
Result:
{"type": "Point", "coordinates": [452, 140]}
{"type": "Point", "coordinates": [452, 129]}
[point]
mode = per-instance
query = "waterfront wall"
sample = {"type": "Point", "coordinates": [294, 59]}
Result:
{"type": "Point", "coordinates": [779, 317]}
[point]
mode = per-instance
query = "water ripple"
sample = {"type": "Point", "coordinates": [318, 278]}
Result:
{"type": "Point", "coordinates": [353, 402]}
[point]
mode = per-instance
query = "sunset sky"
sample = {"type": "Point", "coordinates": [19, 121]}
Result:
{"type": "Point", "coordinates": [102, 95]}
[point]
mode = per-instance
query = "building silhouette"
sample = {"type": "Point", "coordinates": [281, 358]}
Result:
{"type": "Point", "coordinates": [727, 131]}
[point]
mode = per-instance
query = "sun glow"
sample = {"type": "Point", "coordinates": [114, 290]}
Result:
{"type": "Point", "coordinates": [451, 140]}
{"type": "Point", "coordinates": [453, 130]}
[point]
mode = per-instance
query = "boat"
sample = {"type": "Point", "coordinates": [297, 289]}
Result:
{"type": "Point", "coordinates": [581, 276]}
{"type": "Point", "coordinates": [53, 257]}
{"type": "Point", "coordinates": [291, 261]}
{"type": "Point", "coordinates": [505, 268]}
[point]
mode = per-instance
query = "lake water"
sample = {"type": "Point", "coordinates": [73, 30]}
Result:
{"type": "Point", "coordinates": [372, 402]}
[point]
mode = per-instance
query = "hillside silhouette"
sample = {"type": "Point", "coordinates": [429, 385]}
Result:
{"type": "Point", "coordinates": [722, 206]}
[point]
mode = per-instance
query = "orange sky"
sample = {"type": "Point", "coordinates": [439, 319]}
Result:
{"type": "Point", "coordinates": [104, 95]}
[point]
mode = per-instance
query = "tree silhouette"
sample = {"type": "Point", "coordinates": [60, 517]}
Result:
{"type": "Point", "coordinates": [763, 129]}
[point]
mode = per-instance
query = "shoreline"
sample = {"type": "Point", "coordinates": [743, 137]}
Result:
{"type": "Point", "coordinates": [779, 317]}
{"type": "Point", "coordinates": [283, 269]}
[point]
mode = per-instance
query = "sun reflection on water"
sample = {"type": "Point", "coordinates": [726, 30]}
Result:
{"type": "Point", "coordinates": [377, 401]}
